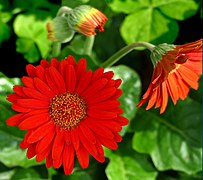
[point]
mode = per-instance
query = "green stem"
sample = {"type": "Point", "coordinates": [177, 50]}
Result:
{"type": "Point", "coordinates": [63, 10]}
{"type": "Point", "coordinates": [125, 50]}
{"type": "Point", "coordinates": [56, 49]}
{"type": "Point", "coordinates": [89, 45]}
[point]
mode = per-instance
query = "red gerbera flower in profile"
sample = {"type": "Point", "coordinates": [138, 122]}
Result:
{"type": "Point", "coordinates": [67, 110]}
{"type": "Point", "coordinates": [177, 68]}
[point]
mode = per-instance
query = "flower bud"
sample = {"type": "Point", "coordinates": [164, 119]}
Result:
{"type": "Point", "coordinates": [85, 19]}
{"type": "Point", "coordinates": [59, 30]}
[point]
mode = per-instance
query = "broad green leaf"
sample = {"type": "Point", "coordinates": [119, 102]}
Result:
{"type": "Point", "coordinates": [10, 153]}
{"type": "Point", "coordinates": [173, 139]}
{"type": "Point", "coordinates": [177, 9]}
{"type": "Point", "coordinates": [28, 48]}
{"type": "Point", "coordinates": [30, 5]}
{"type": "Point", "coordinates": [32, 35]}
{"type": "Point", "coordinates": [73, 3]}
{"type": "Point", "coordinates": [6, 87]}
{"type": "Point", "coordinates": [131, 87]}
{"type": "Point", "coordinates": [128, 164]}
{"type": "Point", "coordinates": [77, 176]}
{"type": "Point", "coordinates": [5, 32]}
{"type": "Point", "coordinates": [125, 6]}
{"type": "Point", "coordinates": [6, 174]}
{"type": "Point", "coordinates": [26, 174]}
{"type": "Point", "coordinates": [150, 26]}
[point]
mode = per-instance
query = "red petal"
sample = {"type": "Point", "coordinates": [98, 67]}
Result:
{"type": "Point", "coordinates": [54, 63]}
{"type": "Point", "coordinates": [40, 72]}
{"type": "Point", "coordinates": [12, 97]}
{"type": "Point", "coordinates": [83, 157]}
{"type": "Point", "coordinates": [45, 142]}
{"type": "Point", "coordinates": [100, 130]}
{"type": "Point", "coordinates": [19, 91]}
{"type": "Point", "coordinates": [70, 78]}
{"type": "Point", "coordinates": [43, 154]}
{"type": "Point", "coordinates": [81, 68]}
{"type": "Point", "coordinates": [98, 73]}
{"type": "Point", "coordinates": [58, 145]}
{"type": "Point", "coordinates": [44, 63]}
{"type": "Point", "coordinates": [68, 159]}
{"type": "Point", "coordinates": [102, 96]}
{"type": "Point", "coordinates": [28, 82]}
{"type": "Point", "coordinates": [57, 162]}
{"type": "Point", "coordinates": [164, 97]}
{"type": "Point", "coordinates": [57, 79]}
{"type": "Point", "coordinates": [33, 103]}
{"type": "Point", "coordinates": [122, 120]}
{"type": "Point", "coordinates": [17, 108]}
{"type": "Point", "coordinates": [84, 82]}
{"type": "Point", "coordinates": [89, 146]}
{"type": "Point", "coordinates": [31, 70]}
{"type": "Point", "coordinates": [152, 100]}
{"type": "Point", "coordinates": [70, 60]}
{"type": "Point", "coordinates": [75, 138]}
{"type": "Point", "coordinates": [109, 143]}
{"type": "Point", "coordinates": [106, 105]}
{"type": "Point", "coordinates": [32, 93]}
{"type": "Point", "coordinates": [40, 132]}
{"type": "Point", "coordinates": [31, 151]}
{"type": "Point", "coordinates": [34, 121]}
{"type": "Point", "coordinates": [94, 88]}
{"type": "Point", "coordinates": [43, 88]}
{"type": "Point", "coordinates": [49, 161]}
{"type": "Point", "coordinates": [101, 114]}
{"type": "Point", "coordinates": [172, 87]}
{"type": "Point", "coordinates": [108, 75]}
{"type": "Point", "coordinates": [87, 132]}
{"type": "Point", "coordinates": [14, 120]}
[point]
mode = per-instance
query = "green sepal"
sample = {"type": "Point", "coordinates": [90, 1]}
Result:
{"type": "Point", "coordinates": [159, 51]}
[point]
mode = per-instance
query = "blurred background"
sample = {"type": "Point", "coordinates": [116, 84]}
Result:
{"type": "Point", "coordinates": [154, 147]}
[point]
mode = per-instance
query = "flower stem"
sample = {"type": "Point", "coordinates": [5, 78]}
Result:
{"type": "Point", "coordinates": [89, 45]}
{"type": "Point", "coordinates": [125, 50]}
{"type": "Point", "coordinates": [63, 10]}
{"type": "Point", "coordinates": [56, 49]}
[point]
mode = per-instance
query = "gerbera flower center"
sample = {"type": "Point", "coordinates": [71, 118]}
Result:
{"type": "Point", "coordinates": [67, 110]}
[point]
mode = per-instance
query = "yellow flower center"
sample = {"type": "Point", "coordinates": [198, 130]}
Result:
{"type": "Point", "coordinates": [67, 110]}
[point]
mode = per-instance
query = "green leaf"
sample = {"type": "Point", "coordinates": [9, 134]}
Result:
{"type": "Point", "coordinates": [5, 32]}
{"type": "Point", "coordinates": [26, 174]}
{"type": "Point", "coordinates": [173, 139]}
{"type": "Point", "coordinates": [6, 174]}
{"type": "Point", "coordinates": [28, 48]}
{"type": "Point", "coordinates": [77, 176]}
{"type": "Point", "coordinates": [177, 9]}
{"type": "Point", "coordinates": [10, 153]}
{"type": "Point", "coordinates": [131, 87]}
{"type": "Point", "coordinates": [125, 6]}
{"type": "Point", "coordinates": [73, 3]}
{"type": "Point", "coordinates": [32, 35]}
{"type": "Point", "coordinates": [150, 26]}
{"type": "Point", "coordinates": [128, 164]}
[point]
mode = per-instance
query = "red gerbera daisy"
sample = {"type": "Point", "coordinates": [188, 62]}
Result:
{"type": "Point", "coordinates": [177, 68]}
{"type": "Point", "coordinates": [67, 110]}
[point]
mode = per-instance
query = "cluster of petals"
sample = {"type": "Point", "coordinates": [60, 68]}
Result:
{"type": "Point", "coordinates": [55, 138]}
{"type": "Point", "coordinates": [174, 74]}
{"type": "Point", "coordinates": [90, 21]}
